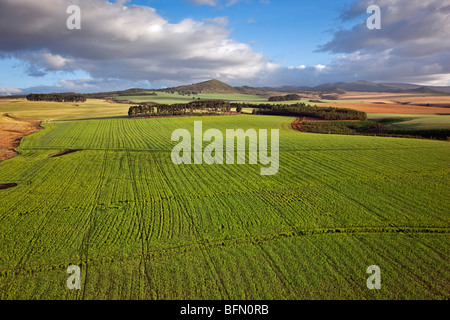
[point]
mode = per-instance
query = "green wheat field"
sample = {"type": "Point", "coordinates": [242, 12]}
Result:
{"type": "Point", "coordinates": [141, 227]}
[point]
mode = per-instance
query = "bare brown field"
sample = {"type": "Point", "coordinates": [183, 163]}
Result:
{"type": "Point", "coordinates": [12, 131]}
{"type": "Point", "coordinates": [399, 103]}
{"type": "Point", "coordinates": [398, 98]}
{"type": "Point", "coordinates": [389, 108]}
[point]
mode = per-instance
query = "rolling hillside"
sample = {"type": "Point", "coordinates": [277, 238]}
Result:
{"type": "Point", "coordinates": [212, 86]}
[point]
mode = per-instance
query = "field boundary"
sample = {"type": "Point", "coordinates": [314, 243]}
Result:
{"type": "Point", "coordinates": [187, 115]}
{"type": "Point", "coordinates": [374, 128]}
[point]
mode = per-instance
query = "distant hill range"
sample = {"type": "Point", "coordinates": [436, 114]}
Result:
{"type": "Point", "coordinates": [366, 86]}
{"type": "Point", "coordinates": [215, 86]}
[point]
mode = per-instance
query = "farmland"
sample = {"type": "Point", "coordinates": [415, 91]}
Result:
{"type": "Point", "coordinates": [391, 103]}
{"type": "Point", "coordinates": [141, 227]}
{"type": "Point", "coordinates": [53, 111]}
{"type": "Point", "coordinates": [416, 121]}
{"type": "Point", "coordinates": [173, 98]}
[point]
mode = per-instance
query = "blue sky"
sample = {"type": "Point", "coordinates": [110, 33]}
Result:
{"type": "Point", "coordinates": [288, 31]}
{"type": "Point", "coordinates": [158, 43]}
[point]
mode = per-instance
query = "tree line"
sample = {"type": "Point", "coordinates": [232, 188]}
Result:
{"type": "Point", "coordinates": [289, 97]}
{"type": "Point", "coordinates": [221, 107]}
{"type": "Point", "coordinates": [303, 110]}
{"type": "Point", "coordinates": [201, 107]}
{"type": "Point", "coordinates": [371, 128]}
{"type": "Point", "coordinates": [57, 97]}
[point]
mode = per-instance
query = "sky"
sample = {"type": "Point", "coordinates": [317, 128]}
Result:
{"type": "Point", "coordinates": [159, 43]}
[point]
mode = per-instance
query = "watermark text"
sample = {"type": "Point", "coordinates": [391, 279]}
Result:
{"type": "Point", "coordinates": [235, 152]}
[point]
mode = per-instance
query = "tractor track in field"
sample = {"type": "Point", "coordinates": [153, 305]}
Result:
{"type": "Point", "coordinates": [143, 235]}
{"type": "Point", "coordinates": [156, 151]}
{"type": "Point", "coordinates": [274, 266]}
{"type": "Point", "coordinates": [31, 243]}
{"type": "Point", "coordinates": [333, 171]}
{"type": "Point", "coordinates": [350, 198]}
{"type": "Point", "coordinates": [238, 242]}
{"type": "Point", "coordinates": [144, 269]}
{"type": "Point", "coordinates": [85, 245]}
{"type": "Point", "coordinates": [203, 247]}
{"type": "Point", "coordinates": [84, 251]}
{"type": "Point", "coordinates": [394, 261]}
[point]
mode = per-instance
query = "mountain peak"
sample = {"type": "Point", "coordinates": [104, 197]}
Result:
{"type": "Point", "coordinates": [210, 86]}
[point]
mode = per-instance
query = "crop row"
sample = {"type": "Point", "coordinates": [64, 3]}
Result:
{"type": "Point", "coordinates": [142, 227]}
